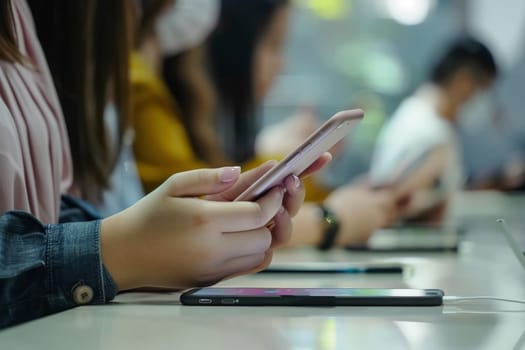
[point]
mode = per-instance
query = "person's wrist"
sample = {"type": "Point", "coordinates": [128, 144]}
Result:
{"type": "Point", "coordinates": [116, 249]}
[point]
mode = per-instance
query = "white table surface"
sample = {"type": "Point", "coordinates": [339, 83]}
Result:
{"type": "Point", "coordinates": [484, 266]}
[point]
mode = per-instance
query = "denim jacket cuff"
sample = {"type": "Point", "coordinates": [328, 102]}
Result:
{"type": "Point", "coordinates": [76, 275]}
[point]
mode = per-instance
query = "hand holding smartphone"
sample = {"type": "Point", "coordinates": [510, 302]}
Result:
{"type": "Point", "coordinates": [324, 138]}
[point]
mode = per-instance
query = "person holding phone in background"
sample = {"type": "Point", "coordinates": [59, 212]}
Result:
{"type": "Point", "coordinates": [57, 254]}
{"type": "Point", "coordinates": [423, 130]}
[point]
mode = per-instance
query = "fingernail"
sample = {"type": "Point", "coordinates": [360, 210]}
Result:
{"type": "Point", "coordinates": [229, 174]}
{"type": "Point", "coordinates": [296, 181]}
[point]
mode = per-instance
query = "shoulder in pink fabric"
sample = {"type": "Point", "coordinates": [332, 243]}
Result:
{"type": "Point", "coordinates": [35, 162]}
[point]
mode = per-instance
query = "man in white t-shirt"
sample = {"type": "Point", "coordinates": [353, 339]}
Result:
{"type": "Point", "coordinates": [418, 150]}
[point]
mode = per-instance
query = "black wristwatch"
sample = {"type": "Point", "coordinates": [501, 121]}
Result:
{"type": "Point", "coordinates": [330, 228]}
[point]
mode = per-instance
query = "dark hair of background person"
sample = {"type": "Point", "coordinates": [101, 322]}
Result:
{"type": "Point", "coordinates": [87, 45]}
{"type": "Point", "coordinates": [231, 51]}
{"type": "Point", "coordinates": [189, 82]}
{"type": "Point", "coordinates": [182, 91]}
{"type": "Point", "coordinates": [465, 52]}
{"type": "Point", "coordinates": [8, 47]}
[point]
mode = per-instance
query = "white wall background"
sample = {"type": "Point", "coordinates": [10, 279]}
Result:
{"type": "Point", "coordinates": [501, 24]}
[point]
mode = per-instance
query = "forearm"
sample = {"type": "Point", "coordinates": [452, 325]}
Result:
{"type": "Point", "coordinates": [426, 175]}
{"type": "Point", "coordinates": [49, 268]}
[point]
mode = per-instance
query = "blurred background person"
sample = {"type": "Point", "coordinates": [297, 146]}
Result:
{"type": "Point", "coordinates": [96, 102]}
{"type": "Point", "coordinates": [182, 34]}
{"type": "Point", "coordinates": [424, 129]}
{"type": "Point", "coordinates": [162, 143]}
{"type": "Point", "coordinates": [493, 134]}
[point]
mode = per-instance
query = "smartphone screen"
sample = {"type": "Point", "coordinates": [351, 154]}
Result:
{"type": "Point", "coordinates": [313, 297]}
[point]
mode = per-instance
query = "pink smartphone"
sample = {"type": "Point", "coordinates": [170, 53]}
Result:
{"type": "Point", "coordinates": [324, 138]}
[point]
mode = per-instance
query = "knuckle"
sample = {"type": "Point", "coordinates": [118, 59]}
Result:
{"type": "Point", "coordinates": [200, 216]}
{"type": "Point", "coordinates": [172, 182]}
{"type": "Point", "coordinates": [205, 176]}
{"type": "Point", "coordinates": [173, 178]}
{"type": "Point", "coordinates": [259, 217]}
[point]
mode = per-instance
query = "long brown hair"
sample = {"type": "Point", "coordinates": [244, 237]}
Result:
{"type": "Point", "coordinates": [87, 45]}
{"type": "Point", "coordinates": [231, 51]}
{"type": "Point", "coordinates": [8, 48]}
{"type": "Point", "coordinates": [186, 77]}
{"type": "Point", "coordinates": [190, 85]}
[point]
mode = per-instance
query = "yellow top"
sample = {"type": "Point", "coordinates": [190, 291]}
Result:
{"type": "Point", "coordinates": [161, 144]}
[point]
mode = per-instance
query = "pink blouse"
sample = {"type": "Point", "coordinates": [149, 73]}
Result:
{"type": "Point", "coordinates": [35, 161]}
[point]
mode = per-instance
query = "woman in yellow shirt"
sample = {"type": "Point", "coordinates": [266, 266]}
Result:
{"type": "Point", "coordinates": [172, 137]}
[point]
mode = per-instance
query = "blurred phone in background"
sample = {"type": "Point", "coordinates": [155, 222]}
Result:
{"type": "Point", "coordinates": [414, 238]}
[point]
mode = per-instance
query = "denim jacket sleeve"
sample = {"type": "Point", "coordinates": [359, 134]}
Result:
{"type": "Point", "coordinates": [49, 268]}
